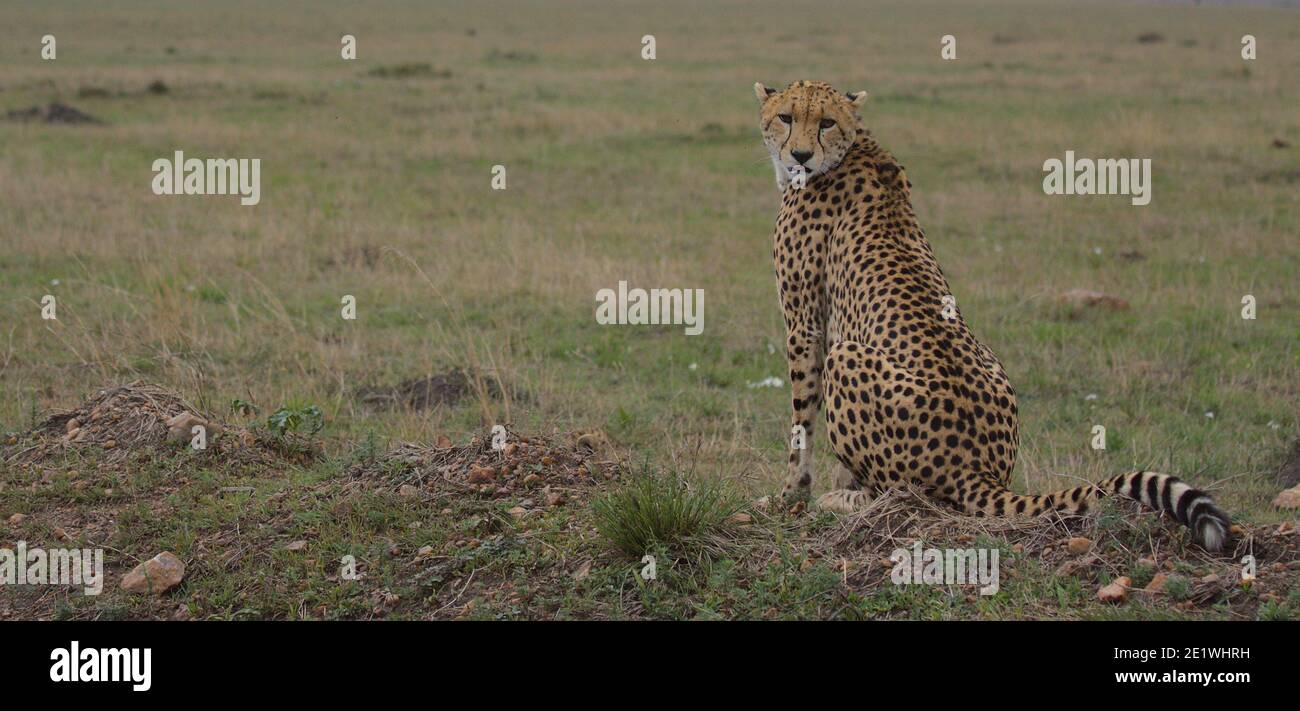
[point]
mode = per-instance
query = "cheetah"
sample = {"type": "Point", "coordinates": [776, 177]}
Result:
{"type": "Point", "coordinates": [911, 397]}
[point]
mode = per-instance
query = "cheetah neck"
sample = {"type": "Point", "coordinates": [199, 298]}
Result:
{"type": "Point", "coordinates": [876, 239]}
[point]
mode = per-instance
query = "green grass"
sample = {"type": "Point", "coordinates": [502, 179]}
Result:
{"type": "Point", "coordinates": [658, 511]}
{"type": "Point", "coordinates": [377, 183]}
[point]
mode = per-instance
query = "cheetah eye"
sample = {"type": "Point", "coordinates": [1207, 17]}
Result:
{"type": "Point", "coordinates": [785, 118]}
{"type": "Point", "coordinates": [828, 123]}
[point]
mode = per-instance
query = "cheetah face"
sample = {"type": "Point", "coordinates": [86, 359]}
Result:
{"type": "Point", "coordinates": [808, 127]}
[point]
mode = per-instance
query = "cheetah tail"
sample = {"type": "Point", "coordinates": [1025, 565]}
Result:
{"type": "Point", "coordinates": [1189, 506]}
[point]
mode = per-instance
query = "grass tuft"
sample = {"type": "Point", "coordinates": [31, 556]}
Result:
{"type": "Point", "coordinates": [659, 510]}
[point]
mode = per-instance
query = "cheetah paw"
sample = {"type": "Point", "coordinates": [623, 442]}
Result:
{"type": "Point", "coordinates": [842, 501]}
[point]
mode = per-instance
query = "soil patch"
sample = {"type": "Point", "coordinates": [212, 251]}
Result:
{"type": "Point", "coordinates": [496, 466]}
{"type": "Point", "coordinates": [54, 113]}
{"type": "Point", "coordinates": [447, 388]}
{"type": "Point", "coordinates": [128, 419]}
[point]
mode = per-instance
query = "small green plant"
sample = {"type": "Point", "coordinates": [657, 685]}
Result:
{"type": "Point", "coordinates": [1274, 611]}
{"type": "Point", "coordinates": [293, 419]}
{"type": "Point", "coordinates": [243, 407]}
{"type": "Point", "coordinates": [367, 449]}
{"type": "Point", "coordinates": [660, 510]}
{"type": "Point", "coordinates": [1178, 587]}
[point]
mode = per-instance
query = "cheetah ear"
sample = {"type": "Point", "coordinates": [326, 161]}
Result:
{"type": "Point", "coordinates": [857, 99]}
{"type": "Point", "coordinates": [762, 92]}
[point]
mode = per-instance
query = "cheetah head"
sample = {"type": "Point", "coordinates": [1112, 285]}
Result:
{"type": "Point", "coordinates": [808, 126]}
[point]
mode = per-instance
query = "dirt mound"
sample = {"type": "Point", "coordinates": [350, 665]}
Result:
{"type": "Point", "coordinates": [548, 465]}
{"type": "Point", "coordinates": [1289, 474]}
{"type": "Point", "coordinates": [141, 416]}
{"type": "Point", "coordinates": [446, 388]}
{"type": "Point", "coordinates": [1120, 539]}
{"type": "Point", "coordinates": [54, 113]}
{"type": "Point", "coordinates": [410, 70]}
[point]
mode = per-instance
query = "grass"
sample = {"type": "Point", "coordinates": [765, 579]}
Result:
{"type": "Point", "coordinates": [658, 511]}
{"type": "Point", "coordinates": [377, 184]}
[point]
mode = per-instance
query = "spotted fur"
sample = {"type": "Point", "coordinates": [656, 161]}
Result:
{"type": "Point", "coordinates": [873, 332]}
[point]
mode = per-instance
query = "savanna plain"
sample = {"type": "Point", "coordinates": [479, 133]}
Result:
{"type": "Point", "coordinates": [349, 470]}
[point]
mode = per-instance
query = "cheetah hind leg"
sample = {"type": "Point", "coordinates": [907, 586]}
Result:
{"type": "Point", "coordinates": [843, 501]}
{"type": "Point", "coordinates": [844, 478]}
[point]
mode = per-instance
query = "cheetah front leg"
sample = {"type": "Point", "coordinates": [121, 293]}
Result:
{"type": "Point", "coordinates": [804, 357]}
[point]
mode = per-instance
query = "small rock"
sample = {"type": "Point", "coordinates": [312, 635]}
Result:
{"type": "Point", "coordinates": [582, 572]}
{"type": "Point", "coordinates": [1078, 545]}
{"type": "Point", "coordinates": [1078, 564]}
{"type": "Point", "coordinates": [1288, 499]}
{"type": "Point", "coordinates": [594, 440]}
{"type": "Point", "coordinates": [296, 546]}
{"type": "Point", "coordinates": [408, 491]}
{"type": "Point", "coordinates": [1116, 591]}
{"type": "Point", "coordinates": [1157, 583]}
{"type": "Point", "coordinates": [180, 427]}
{"type": "Point", "coordinates": [156, 575]}
{"type": "Point", "coordinates": [481, 475]}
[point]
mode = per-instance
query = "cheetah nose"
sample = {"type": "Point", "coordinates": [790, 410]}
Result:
{"type": "Point", "coordinates": [802, 156]}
